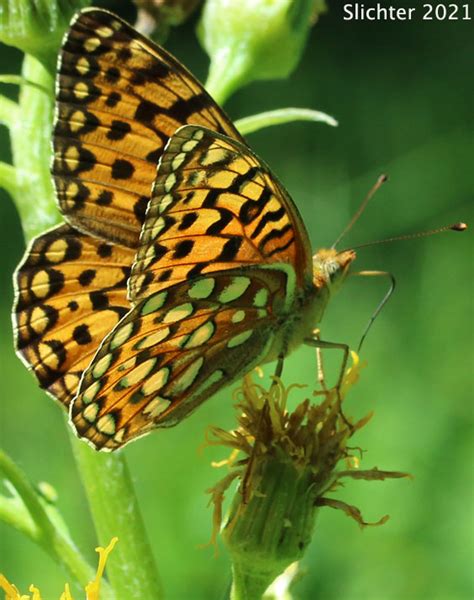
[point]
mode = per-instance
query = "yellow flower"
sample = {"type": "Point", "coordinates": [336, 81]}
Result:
{"type": "Point", "coordinates": [92, 589]}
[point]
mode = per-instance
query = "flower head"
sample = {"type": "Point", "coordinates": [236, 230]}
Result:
{"type": "Point", "coordinates": [291, 461]}
{"type": "Point", "coordinates": [250, 40]}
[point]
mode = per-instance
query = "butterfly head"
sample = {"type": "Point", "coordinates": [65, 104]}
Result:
{"type": "Point", "coordinates": [330, 267]}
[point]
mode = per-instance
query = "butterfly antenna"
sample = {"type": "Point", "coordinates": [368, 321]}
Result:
{"type": "Point", "coordinates": [411, 236]}
{"type": "Point", "coordinates": [380, 181]}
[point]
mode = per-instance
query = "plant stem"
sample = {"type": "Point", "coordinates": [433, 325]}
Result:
{"type": "Point", "coordinates": [8, 179]}
{"type": "Point", "coordinates": [132, 571]}
{"type": "Point", "coordinates": [9, 111]}
{"type": "Point", "coordinates": [30, 135]}
{"type": "Point", "coordinates": [280, 116]}
{"type": "Point", "coordinates": [245, 586]}
{"type": "Point", "coordinates": [226, 75]}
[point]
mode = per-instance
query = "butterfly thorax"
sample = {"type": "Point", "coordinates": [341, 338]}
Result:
{"type": "Point", "coordinates": [309, 303]}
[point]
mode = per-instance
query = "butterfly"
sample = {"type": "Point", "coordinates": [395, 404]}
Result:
{"type": "Point", "coordinates": [184, 262]}
{"type": "Point", "coordinates": [119, 98]}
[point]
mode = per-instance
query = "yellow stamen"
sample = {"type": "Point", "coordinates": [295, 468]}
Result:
{"type": "Point", "coordinates": [66, 595]}
{"type": "Point", "coordinates": [10, 590]}
{"type": "Point", "coordinates": [35, 591]}
{"type": "Point", "coordinates": [93, 588]}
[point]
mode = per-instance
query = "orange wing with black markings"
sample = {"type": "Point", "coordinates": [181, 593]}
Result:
{"type": "Point", "coordinates": [175, 349]}
{"type": "Point", "coordinates": [215, 206]}
{"type": "Point", "coordinates": [119, 99]}
{"type": "Point", "coordinates": [70, 292]}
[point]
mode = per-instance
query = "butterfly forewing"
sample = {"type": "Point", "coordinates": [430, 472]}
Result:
{"type": "Point", "coordinates": [176, 348]}
{"type": "Point", "coordinates": [119, 99]}
{"type": "Point", "coordinates": [71, 291]}
{"type": "Point", "coordinates": [215, 206]}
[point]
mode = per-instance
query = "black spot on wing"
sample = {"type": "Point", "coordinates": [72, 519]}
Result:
{"type": "Point", "coordinates": [183, 249]}
{"type": "Point", "coordinates": [188, 220]}
{"type": "Point", "coordinates": [146, 112]}
{"type": "Point", "coordinates": [99, 300]}
{"type": "Point", "coordinates": [81, 335]}
{"type": "Point", "coordinates": [113, 99]}
{"type": "Point", "coordinates": [230, 249]}
{"type": "Point", "coordinates": [112, 75]}
{"type": "Point", "coordinates": [140, 207]}
{"type": "Point", "coordinates": [122, 169]}
{"type": "Point", "coordinates": [211, 198]}
{"type": "Point", "coordinates": [86, 277]}
{"type": "Point", "coordinates": [104, 198]}
{"type": "Point", "coordinates": [104, 250]}
{"type": "Point", "coordinates": [118, 130]}
{"type": "Point", "coordinates": [241, 179]}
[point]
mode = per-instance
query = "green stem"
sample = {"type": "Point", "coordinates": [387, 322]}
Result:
{"type": "Point", "coordinates": [280, 116]}
{"type": "Point", "coordinates": [132, 571]}
{"type": "Point", "coordinates": [31, 147]}
{"type": "Point", "coordinates": [226, 74]}
{"type": "Point", "coordinates": [9, 111]}
{"type": "Point", "coordinates": [31, 518]}
{"type": "Point", "coordinates": [9, 179]}
{"type": "Point", "coordinates": [247, 586]}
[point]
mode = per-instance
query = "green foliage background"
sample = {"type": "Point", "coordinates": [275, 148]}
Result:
{"type": "Point", "coordinates": [403, 95]}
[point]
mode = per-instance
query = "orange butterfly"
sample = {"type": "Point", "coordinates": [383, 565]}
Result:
{"type": "Point", "coordinates": [223, 277]}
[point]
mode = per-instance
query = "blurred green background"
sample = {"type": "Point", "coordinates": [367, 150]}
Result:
{"type": "Point", "coordinates": [403, 95]}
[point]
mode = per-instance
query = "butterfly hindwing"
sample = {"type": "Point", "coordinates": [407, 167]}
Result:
{"type": "Point", "coordinates": [119, 99]}
{"type": "Point", "coordinates": [70, 292]}
{"type": "Point", "coordinates": [215, 206]}
{"type": "Point", "coordinates": [175, 349]}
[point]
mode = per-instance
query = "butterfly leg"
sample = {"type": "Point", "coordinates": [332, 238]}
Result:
{"type": "Point", "coordinates": [319, 344]}
{"type": "Point", "coordinates": [278, 371]}
{"type": "Point", "coordinates": [319, 362]}
{"type": "Point", "coordinates": [381, 304]}
{"type": "Point", "coordinates": [279, 367]}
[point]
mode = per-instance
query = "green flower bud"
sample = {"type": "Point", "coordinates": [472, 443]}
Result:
{"type": "Point", "coordinates": [251, 40]}
{"type": "Point", "coordinates": [267, 532]}
{"type": "Point", "coordinates": [36, 26]}
{"type": "Point", "coordinates": [292, 461]}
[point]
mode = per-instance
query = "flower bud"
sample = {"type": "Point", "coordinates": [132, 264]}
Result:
{"type": "Point", "coordinates": [250, 40]}
{"type": "Point", "coordinates": [272, 529]}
